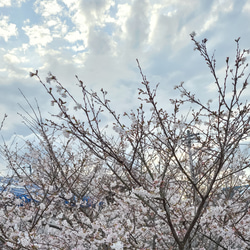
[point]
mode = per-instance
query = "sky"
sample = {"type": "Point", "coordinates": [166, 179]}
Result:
{"type": "Point", "coordinates": [100, 40]}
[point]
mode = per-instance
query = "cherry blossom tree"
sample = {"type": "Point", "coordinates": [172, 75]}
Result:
{"type": "Point", "coordinates": [154, 179]}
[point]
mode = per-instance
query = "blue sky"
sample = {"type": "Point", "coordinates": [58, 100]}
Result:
{"type": "Point", "coordinates": [99, 40]}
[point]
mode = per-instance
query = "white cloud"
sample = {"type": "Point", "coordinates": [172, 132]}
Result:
{"type": "Point", "coordinates": [79, 25]}
{"type": "Point", "coordinates": [101, 43]}
{"type": "Point", "coordinates": [14, 65]}
{"type": "Point", "coordinates": [51, 23]}
{"type": "Point", "coordinates": [45, 52]}
{"type": "Point", "coordinates": [25, 47]}
{"type": "Point", "coordinates": [88, 16]}
{"type": "Point", "coordinates": [73, 36]}
{"type": "Point", "coordinates": [225, 6]}
{"type": "Point", "coordinates": [137, 24]}
{"type": "Point", "coordinates": [26, 21]}
{"type": "Point", "coordinates": [7, 29]}
{"type": "Point", "coordinates": [123, 12]}
{"type": "Point", "coordinates": [38, 35]}
{"type": "Point", "coordinates": [10, 58]}
{"type": "Point", "coordinates": [78, 48]}
{"type": "Point", "coordinates": [47, 7]}
{"type": "Point", "coordinates": [5, 3]}
{"type": "Point", "coordinates": [58, 27]}
{"type": "Point", "coordinates": [69, 3]}
{"type": "Point", "coordinates": [16, 55]}
{"type": "Point", "coordinates": [246, 8]}
{"type": "Point", "coordinates": [96, 12]}
{"type": "Point", "coordinates": [19, 2]}
{"type": "Point", "coordinates": [212, 19]}
{"type": "Point", "coordinates": [218, 8]}
{"type": "Point", "coordinates": [171, 22]}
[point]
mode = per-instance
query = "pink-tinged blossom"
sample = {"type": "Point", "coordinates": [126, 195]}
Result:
{"type": "Point", "coordinates": [153, 184]}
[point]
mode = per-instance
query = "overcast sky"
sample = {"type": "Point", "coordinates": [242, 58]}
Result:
{"type": "Point", "coordinates": [99, 40]}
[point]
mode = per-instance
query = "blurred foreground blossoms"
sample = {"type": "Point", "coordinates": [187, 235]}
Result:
{"type": "Point", "coordinates": [158, 181]}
